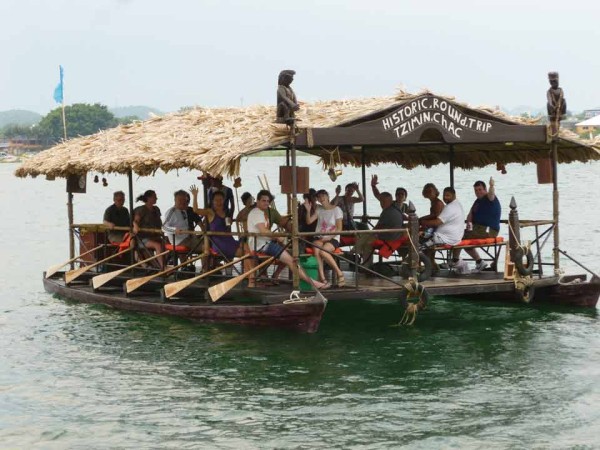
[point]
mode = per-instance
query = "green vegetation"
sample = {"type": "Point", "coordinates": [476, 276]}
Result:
{"type": "Point", "coordinates": [82, 120]}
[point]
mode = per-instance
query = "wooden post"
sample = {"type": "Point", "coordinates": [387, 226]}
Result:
{"type": "Point", "coordinates": [130, 193]}
{"type": "Point", "coordinates": [555, 252]}
{"type": "Point", "coordinates": [451, 165]}
{"type": "Point", "coordinates": [364, 182]}
{"type": "Point", "coordinates": [413, 230]}
{"type": "Point", "coordinates": [71, 237]}
{"type": "Point", "coordinates": [295, 248]}
{"type": "Point", "coordinates": [514, 237]}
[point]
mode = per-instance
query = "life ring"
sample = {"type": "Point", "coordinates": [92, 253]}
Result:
{"type": "Point", "coordinates": [423, 298]}
{"type": "Point", "coordinates": [523, 270]}
{"type": "Point", "coordinates": [526, 294]}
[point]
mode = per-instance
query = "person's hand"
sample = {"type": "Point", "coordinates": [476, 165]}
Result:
{"type": "Point", "coordinates": [374, 180]}
{"type": "Point", "coordinates": [307, 204]}
{"type": "Point", "coordinates": [355, 184]}
{"type": "Point", "coordinates": [470, 226]}
{"type": "Point", "coordinates": [338, 189]}
{"type": "Point", "coordinates": [492, 182]}
{"type": "Point", "coordinates": [110, 226]}
{"type": "Point", "coordinates": [194, 189]}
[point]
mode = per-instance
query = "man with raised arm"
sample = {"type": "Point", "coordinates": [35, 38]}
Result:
{"type": "Point", "coordinates": [346, 203]}
{"type": "Point", "coordinates": [483, 220]}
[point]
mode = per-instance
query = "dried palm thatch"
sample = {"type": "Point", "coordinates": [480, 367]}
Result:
{"type": "Point", "coordinates": [215, 140]}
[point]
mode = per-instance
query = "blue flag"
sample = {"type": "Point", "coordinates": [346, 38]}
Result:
{"type": "Point", "coordinates": [58, 91]}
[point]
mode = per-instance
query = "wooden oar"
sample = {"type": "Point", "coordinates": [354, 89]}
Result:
{"type": "Point", "coordinates": [100, 280]}
{"type": "Point", "coordinates": [173, 288]}
{"type": "Point", "coordinates": [219, 290]}
{"type": "Point", "coordinates": [134, 283]}
{"type": "Point", "coordinates": [52, 270]}
{"type": "Point", "coordinates": [72, 275]}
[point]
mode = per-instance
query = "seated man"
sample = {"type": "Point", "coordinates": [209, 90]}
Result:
{"type": "Point", "coordinates": [390, 218]}
{"type": "Point", "coordinates": [449, 224]}
{"type": "Point", "coordinates": [258, 222]}
{"type": "Point", "coordinates": [116, 215]}
{"type": "Point", "coordinates": [401, 196]}
{"type": "Point", "coordinates": [176, 223]}
{"type": "Point", "coordinates": [483, 221]}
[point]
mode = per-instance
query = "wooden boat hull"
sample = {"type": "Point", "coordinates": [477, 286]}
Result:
{"type": "Point", "coordinates": [549, 291]}
{"type": "Point", "coordinates": [299, 316]}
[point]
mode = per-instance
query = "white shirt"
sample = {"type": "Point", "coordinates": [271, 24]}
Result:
{"type": "Point", "coordinates": [175, 219]}
{"type": "Point", "coordinates": [452, 229]}
{"type": "Point", "coordinates": [326, 221]}
{"type": "Point", "coordinates": [256, 217]}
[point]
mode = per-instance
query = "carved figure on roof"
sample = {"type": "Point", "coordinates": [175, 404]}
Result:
{"type": "Point", "coordinates": [557, 105]}
{"type": "Point", "coordinates": [287, 104]}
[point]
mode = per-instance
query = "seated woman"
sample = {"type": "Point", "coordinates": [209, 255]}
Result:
{"type": "Point", "coordinates": [329, 219]}
{"type": "Point", "coordinates": [431, 193]}
{"type": "Point", "coordinates": [217, 221]}
{"type": "Point", "coordinates": [148, 216]}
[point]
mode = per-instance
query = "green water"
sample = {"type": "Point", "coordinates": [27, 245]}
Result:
{"type": "Point", "coordinates": [466, 375]}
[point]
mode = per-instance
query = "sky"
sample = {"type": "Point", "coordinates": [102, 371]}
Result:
{"type": "Point", "coordinates": [170, 54]}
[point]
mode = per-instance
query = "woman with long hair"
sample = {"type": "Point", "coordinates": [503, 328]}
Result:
{"type": "Point", "coordinates": [218, 220]}
{"type": "Point", "coordinates": [148, 216]}
{"type": "Point", "coordinates": [329, 219]}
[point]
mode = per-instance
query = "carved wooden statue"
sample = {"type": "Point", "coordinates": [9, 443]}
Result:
{"type": "Point", "coordinates": [557, 105]}
{"type": "Point", "coordinates": [287, 104]}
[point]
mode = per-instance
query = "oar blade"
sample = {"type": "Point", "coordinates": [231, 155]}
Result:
{"type": "Point", "coordinates": [100, 280]}
{"type": "Point", "coordinates": [72, 275]}
{"type": "Point", "coordinates": [52, 270]}
{"type": "Point", "coordinates": [134, 283]}
{"type": "Point", "coordinates": [172, 289]}
{"type": "Point", "coordinates": [219, 290]}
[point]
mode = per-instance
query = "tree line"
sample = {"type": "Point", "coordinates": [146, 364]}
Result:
{"type": "Point", "coordinates": [82, 119]}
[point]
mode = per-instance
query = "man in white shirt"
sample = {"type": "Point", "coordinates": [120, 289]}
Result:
{"type": "Point", "coordinates": [258, 222]}
{"type": "Point", "coordinates": [176, 223]}
{"type": "Point", "coordinates": [450, 224]}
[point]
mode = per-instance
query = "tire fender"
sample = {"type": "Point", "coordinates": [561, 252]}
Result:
{"type": "Point", "coordinates": [519, 254]}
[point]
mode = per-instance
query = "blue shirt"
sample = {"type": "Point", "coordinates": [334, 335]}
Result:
{"type": "Point", "coordinates": [487, 213]}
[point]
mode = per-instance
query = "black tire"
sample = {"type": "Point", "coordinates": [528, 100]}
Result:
{"type": "Point", "coordinates": [523, 270]}
{"type": "Point", "coordinates": [526, 295]}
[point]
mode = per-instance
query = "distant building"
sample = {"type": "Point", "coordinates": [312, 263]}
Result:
{"type": "Point", "coordinates": [588, 126]}
{"type": "Point", "coordinates": [589, 113]}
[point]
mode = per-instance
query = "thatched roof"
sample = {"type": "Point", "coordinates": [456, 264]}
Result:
{"type": "Point", "coordinates": [215, 139]}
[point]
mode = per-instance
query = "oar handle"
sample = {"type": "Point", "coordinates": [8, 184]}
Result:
{"type": "Point", "coordinates": [173, 288]}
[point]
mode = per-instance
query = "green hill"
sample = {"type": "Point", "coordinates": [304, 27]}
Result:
{"type": "Point", "coordinates": [143, 112]}
{"type": "Point", "coordinates": [18, 117]}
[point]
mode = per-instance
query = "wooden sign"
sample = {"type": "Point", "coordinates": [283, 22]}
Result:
{"type": "Point", "coordinates": [437, 112]}
{"type": "Point", "coordinates": [76, 184]}
{"type": "Point", "coordinates": [426, 119]}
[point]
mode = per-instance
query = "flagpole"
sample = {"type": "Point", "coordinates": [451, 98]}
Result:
{"type": "Point", "coordinates": [64, 120]}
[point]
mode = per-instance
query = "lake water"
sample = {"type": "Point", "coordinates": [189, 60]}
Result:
{"type": "Point", "coordinates": [466, 375]}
